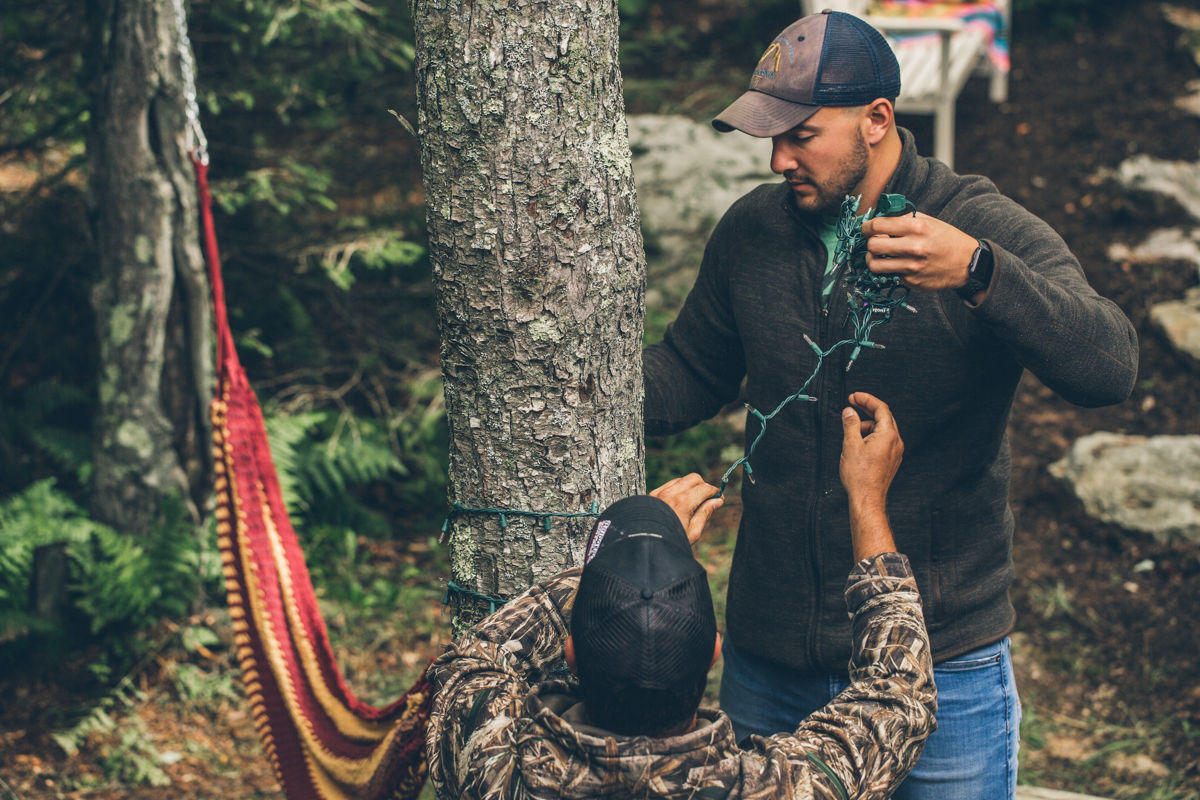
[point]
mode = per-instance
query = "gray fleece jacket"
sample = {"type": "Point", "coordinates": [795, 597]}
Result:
{"type": "Point", "coordinates": [949, 373]}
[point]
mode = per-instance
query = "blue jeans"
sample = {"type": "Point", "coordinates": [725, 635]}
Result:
{"type": "Point", "coordinates": [971, 756]}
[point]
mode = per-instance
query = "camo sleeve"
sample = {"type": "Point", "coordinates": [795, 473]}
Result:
{"type": "Point", "coordinates": [481, 683]}
{"type": "Point", "coordinates": [867, 740]}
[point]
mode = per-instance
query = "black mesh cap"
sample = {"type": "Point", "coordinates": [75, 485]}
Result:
{"type": "Point", "coordinates": [826, 59]}
{"type": "Point", "coordinates": [643, 617]}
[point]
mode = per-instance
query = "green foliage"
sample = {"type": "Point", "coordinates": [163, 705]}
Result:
{"type": "Point", "coordinates": [323, 462]}
{"type": "Point", "coordinates": [117, 581]}
{"type": "Point", "coordinates": [376, 251]}
{"type": "Point", "coordinates": [47, 421]}
{"type": "Point", "coordinates": [132, 582]}
{"type": "Point", "coordinates": [41, 94]}
{"type": "Point", "coordinates": [703, 449]}
{"type": "Point", "coordinates": [316, 472]}
{"type": "Point", "coordinates": [134, 758]}
{"type": "Point", "coordinates": [296, 58]}
{"type": "Point", "coordinates": [281, 188]}
{"type": "Point", "coordinates": [202, 688]}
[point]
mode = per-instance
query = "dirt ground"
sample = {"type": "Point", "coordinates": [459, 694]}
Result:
{"type": "Point", "coordinates": [1106, 656]}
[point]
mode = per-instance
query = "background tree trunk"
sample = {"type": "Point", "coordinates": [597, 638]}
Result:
{"type": "Point", "coordinates": [151, 301]}
{"type": "Point", "coordinates": [539, 272]}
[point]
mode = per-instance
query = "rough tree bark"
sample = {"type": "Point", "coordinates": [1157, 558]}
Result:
{"type": "Point", "coordinates": [540, 275]}
{"type": "Point", "coordinates": [151, 300]}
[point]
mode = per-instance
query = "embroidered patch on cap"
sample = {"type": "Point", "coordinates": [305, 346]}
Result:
{"type": "Point", "coordinates": [597, 537]}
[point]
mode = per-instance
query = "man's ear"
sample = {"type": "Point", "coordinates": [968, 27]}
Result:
{"type": "Point", "coordinates": [879, 119]}
{"type": "Point", "coordinates": [569, 654]}
{"type": "Point", "coordinates": [716, 651]}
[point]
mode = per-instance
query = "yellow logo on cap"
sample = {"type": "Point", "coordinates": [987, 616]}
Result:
{"type": "Point", "coordinates": [761, 73]}
{"type": "Point", "coordinates": [775, 50]}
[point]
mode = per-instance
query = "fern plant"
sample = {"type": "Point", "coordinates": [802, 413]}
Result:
{"type": "Point", "coordinates": [116, 580]}
{"type": "Point", "coordinates": [316, 472]}
{"type": "Point", "coordinates": [47, 421]}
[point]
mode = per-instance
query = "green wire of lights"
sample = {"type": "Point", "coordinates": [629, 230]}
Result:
{"type": "Point", "coordinates": [872, 299]}
{"type": "Point", "coordinates": [456, 507]}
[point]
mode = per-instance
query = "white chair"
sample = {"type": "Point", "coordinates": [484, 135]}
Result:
{"type": "Point", "coordinates": [932, 75]}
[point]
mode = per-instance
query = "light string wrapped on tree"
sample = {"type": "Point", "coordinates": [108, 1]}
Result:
{"type": "Point", "coordinates": [872, 298]}
{"type": "Point", "coordinates": [456, 507]}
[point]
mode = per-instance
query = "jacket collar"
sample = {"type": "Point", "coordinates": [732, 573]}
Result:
{"type": "Point", "coordinates": [713, 728]}
{"type": "Point", "coordinates": [912, 171]}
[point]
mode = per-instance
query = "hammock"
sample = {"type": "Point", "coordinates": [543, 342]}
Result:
{"type": "Point", "coordinates": [324, 743]}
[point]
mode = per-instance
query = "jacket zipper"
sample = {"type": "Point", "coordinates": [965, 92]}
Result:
{"type": "Point", "coordinates": [935, 567]}
{"type": "Point", "coordinates": [814, 515]}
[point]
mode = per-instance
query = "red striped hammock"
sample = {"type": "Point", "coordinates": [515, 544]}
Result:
{"type": "Point", "coordinates": [324, 743]}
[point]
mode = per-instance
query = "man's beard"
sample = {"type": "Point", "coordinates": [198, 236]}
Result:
{"type": "Point", "coordinates": [849, 174]}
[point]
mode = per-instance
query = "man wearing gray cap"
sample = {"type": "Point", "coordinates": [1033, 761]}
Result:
{"type": "Point", "coordinates": [997, 292]}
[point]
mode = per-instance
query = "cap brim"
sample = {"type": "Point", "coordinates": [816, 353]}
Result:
{"type": "Point", "coordinates": [762, 115]}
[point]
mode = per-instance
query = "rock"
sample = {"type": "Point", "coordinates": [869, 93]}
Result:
{"type": "Point", "coordinates": [1189, 103]}
{"type": "Point", "coordinates": [1167, 244]}
{"type": "Point", "coordinates": [1068, 747]}
{"type": "Point", "coordinates": [1143, 484]}
{"type": "Point", "coordinates": [1138, 764]}
{"type": "Point", "coordinates": [687, 177]}
{"type": "Point", "coordinates": [1034, 793]}
{"type": "Point", "coordinates": [1188, 19]}
{"type": "Point", "coordinates": [1176, 179]}
{"type": "Point", "coordinates": [1179, 320]}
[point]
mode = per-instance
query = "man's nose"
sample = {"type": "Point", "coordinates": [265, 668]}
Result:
{"type": "Point", "coordinates": [781, 158]}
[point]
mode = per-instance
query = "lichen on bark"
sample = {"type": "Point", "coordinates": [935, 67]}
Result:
{"type": "Point", "coordinates": [540, 275]}
{"type": "Point", "coordinates": [151, 300]}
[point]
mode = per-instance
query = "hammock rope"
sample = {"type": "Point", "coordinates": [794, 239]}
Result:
{"type": "Point", "coordinates": [323, 742]}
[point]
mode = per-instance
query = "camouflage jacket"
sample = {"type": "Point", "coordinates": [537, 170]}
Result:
{"type": "Point", "coordinates": [501, 729]}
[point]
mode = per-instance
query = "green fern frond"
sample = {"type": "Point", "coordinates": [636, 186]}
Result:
{"type": "Point", "coordinates": [315, 472]}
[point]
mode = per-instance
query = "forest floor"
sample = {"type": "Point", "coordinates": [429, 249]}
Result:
{"type": "Point", "coordinates": [1105, 646]}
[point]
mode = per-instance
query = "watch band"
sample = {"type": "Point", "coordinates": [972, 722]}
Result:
{"type": "Point", "coordinates": [979, 274]}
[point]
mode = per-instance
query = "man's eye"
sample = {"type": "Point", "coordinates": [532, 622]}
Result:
{"type": "Point", "coordinates": [801, 139]}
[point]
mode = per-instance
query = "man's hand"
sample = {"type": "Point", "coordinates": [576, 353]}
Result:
{"type": "Point", "coordinates": [871, 454]}
{"type": "Point", "coordinates": [930, 255]}
{"type": "Point", "coordinates": [693, 500]}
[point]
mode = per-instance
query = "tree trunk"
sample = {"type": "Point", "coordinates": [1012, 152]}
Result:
{"type": "Point", "coordinates": [540, 276]}
{"type": "Point", "coordinates": [151, 301]}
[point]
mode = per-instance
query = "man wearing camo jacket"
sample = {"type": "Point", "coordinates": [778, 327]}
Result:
{"type": "Point", "coordinates": [636, 627]}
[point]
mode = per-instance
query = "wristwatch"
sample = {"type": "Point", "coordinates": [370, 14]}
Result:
{"type": "Point", "coordinates": [979, 274]}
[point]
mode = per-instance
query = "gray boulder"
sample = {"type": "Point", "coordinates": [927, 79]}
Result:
{"type": "Point", "coordinates": [1149, 484]}
{"type": "Point", "coordinates": [687, 177]}
{"type": "Point", "coordinates": [1176, 179]}
{"type": "Point", "coordinates": [1179, 320]}
{"type": "Point", "coordinates": [1165, 244]}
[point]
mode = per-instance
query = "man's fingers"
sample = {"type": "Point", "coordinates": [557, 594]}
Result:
{"type": "Point", "coordinates": [677, 484]}
{"type": "Point", "coordinates": [865, 402]}
{"type": "Point", "coordinates": [702, 516]}
{"type": "Point", "coordinates": [887, 246]}
{"type": "Point", "coordinates": [697, 494]}
{"type": "Point", "coordinates": [906, 225]}
{"type": "Point", "coordinates": [852, 430]}
{"type": "Point", "coordinates": [874, 408]}
{"type": "Point", "coordinates": [894, 266]}
{"type": "Point", "coordinates": [666, 487]}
